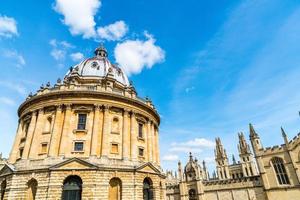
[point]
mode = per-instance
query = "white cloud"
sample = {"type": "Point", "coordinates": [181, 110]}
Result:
{"type": "Point", "coordinates": [15, 56]}
{"type": "Point", "coordinates": [14, 86]}
{"type": "Point", "coordinates": [76, 56]}
{"type": "Point", "coordinates": [79, 15]}
{"type": "Point", "coordinates": [7, 101]}
{"type": "Point", "coordinates": [134, 55]}
{"type": "Point", "coordinates": [113, 31]}
{"type": "Point", "coordinates": [170, 157]}
{"type": "Point", "coordinates": [59, 49]}
{"type": "Point", "coordinates": [8, 27]}
{"type": "Point", "coordinates": [195, 145]}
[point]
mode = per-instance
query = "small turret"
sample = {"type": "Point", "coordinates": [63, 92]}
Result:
{"type": "Point", "coordinates": [255, 140]}
{"type": "Point", "coordinates": [285, 138]}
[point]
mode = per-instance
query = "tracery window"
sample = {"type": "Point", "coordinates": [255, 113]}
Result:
{"type": "Point", "coordinates": [72, 188]}
{"type": "Point", "coordinates": [192, 194]}
{"type": "Point", "coordinates": [280, 171]}
{"type": "Point", "coordinates": [81, 122]}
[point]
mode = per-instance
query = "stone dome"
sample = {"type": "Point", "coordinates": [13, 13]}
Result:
{"type": "Point", "coordinates": [97, 68]}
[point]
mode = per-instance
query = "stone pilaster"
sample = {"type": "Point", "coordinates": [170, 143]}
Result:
{"type": "Point", "coordinates": [15, 150]}
{"type": "Point", "coordinates": [157, 146]}
{"type": "Point", "coordinates": [153, 143]}
{"type": "Point", "coordinates": [57, 131]}
{"type": "Point", "coordinates": [126, 138]}
{"type": "Point", "coordinates": [95, 132]}
{"type": "Point", "coordinates": [149, 141]}
{"type": "Point", "coordinates": [34, 147]}
{"type": "Point", "coordinates": [64, 141]}
{"type": "Point", "coordinates": [133, 137]}
{"type": "Point", "coordinates": [105, 133]}
{"type": "Point", "coordinates": [29, 135]}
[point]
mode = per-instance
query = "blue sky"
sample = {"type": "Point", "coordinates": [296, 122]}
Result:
{"type": "Point", "coordinates": [210, 67]}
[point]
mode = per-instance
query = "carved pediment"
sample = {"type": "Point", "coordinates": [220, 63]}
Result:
{"type": "Point", "coordinates": [6, 169]}
{"type": "Point", "coordinates": [148, 167]}
{"type": "Point", "coordinates": [73, 164]}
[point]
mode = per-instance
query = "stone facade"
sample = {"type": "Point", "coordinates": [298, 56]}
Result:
{"type": "Point", "coordinates": [89, 133]}
{"type": "Point", "coordinates": [273, 174]}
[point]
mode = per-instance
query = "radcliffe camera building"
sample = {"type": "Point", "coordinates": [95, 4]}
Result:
{"type": "Point", "coordinates": [90, 136]}
{"type": "Point", "coordinates": [87, 137]}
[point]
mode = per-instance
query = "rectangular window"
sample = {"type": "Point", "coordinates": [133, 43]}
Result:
{"type": "Point", "coordinates": [26, 128]}
{"type": "Point", "coordinates": [140, 130]}
{"type": "Point", "coordinates": [44, 148]}
{"type": "Point", "coordinates": [114, 148]}
{"type": "Point", "coordinates": [141, 152]}
{"type": "Point", "coordinates": [78, 146]}
{"type": "Point", "coordinates": [81, 121]}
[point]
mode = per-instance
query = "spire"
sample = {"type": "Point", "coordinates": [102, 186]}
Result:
{"type": "Point", "coordinates": [204, 164]}
{"type": "Point", "coordinates": [101, 51]}
{"type": "Point", "coordinates": [191, 157]}
{"type": "Point", "coordinates": [252, 131]}
{"type": "Point", "coordinates": [286, 140]}
{"type": "Point", "coordinates": [243, 147]}
{"type": "Point", "coordinates": [233, 159]}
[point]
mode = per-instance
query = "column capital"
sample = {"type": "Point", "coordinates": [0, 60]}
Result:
{"type": "Point", "coordinates": [106, 107]}
{"type": "Point", "coordinates": [58, 107]}
{"type": "Point", "coordinates": [68, 106]}
{"type": "Point", "coordinates": [34, 112]}
{"type": "Point", "coordinates": [98, 106]}
{"type": "Point", "coordinates": [126, 111]}
{"type": "Point", "coordinates": [41, 110]}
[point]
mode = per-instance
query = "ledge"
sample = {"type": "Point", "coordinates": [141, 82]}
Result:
{"type": "Point", "coordinates": [80, 131]}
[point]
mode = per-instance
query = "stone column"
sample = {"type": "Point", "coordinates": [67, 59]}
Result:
{"type": "Point", "coordinates": [157, 147]}
{"type": "Point", "coordinates": [64, 140]}
{"type": "Point", "coordinates": [95, 132]}
{"type": "Point", "coordinates": [153, 143]}
{"type": "Point", "coordinates": [126, 138]}
{"type": "Point", "coordinates": [15, 150]}
{"type": "Point", "coordinates": [133, 137]}
{"type": "Point", "coordinates": [57, 131]}
{"type": "Point", "coordinates": [34, 149]}
{"type": "Point", "coordinates": [105, 132]}
{"type": "Point", "coordinates": [29, 135]}
{"type": "Point", "coordinates": [149, 141]}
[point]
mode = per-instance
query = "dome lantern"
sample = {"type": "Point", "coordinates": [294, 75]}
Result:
{"type": "Point", "coordinates": [101, 51]}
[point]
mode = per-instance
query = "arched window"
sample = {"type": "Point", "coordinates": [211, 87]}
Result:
{"type": "Point", "coordinates": [115, 189]}
{"type": "Point", "coordinates": [280, 171]}
{"type": "Point", "coordinates": [147, 189]}
{"type": "Point", "coordinates": [3, 188]}
{"type": "Point", "coordinates": [72, 188]}
{"type": "Point", "coordinates": [115, 125]}
{"type": "Point", "coordinates": [32, 189]}
{"type": "Point", "coordinates": [192, 194]}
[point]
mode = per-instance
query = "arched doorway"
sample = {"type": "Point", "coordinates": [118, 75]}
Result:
{"type": "Point", "coordinates": [3, 188]}
{"type": "Point", "coordinates": [192, 194]}
{"type": "Point", "coordinates": [72, 188]}
{"type": "Point", "coordinates": [115, 189]}
{"type": "Point", "coordinates": [32, 188]}
{"type": "Point", "coordinates": [147, 189]}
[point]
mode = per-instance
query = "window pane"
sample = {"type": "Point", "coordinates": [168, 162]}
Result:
{"type": "Point", "coordinates": [141, 130]}
{"type": "Point", "coordinates": [81, 121]}
{"type": "Point", "coordinates": [78, 146]}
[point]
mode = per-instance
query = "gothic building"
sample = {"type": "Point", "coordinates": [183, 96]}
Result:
{"type": "Point", "coordinates": [87, 137]}
{"type": "Point", "coordinates": [270, 174]}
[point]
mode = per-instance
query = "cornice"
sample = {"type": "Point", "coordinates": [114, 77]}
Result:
{"type": "Point", "coordinates": [60, 95]}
